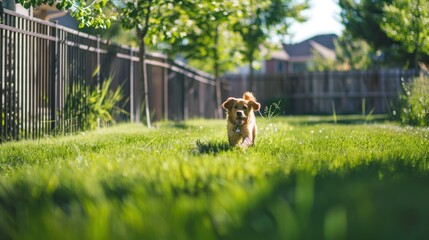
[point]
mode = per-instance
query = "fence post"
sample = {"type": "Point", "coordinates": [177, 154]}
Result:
{"type": "Point", "coordinates": [1, 74]}
{"type": "Point", "coordinates": [331, 83]}
{"type": "Point", "coordinates": [132, 118]}
{"type": "Point", "coordinates": [98, 73]}
{"type": "Point", "coordinates": [185, 97]}
{"type": "Point", "coordinates": [54, 79]}
{"type": "Point", "coordinates": [165, 90]}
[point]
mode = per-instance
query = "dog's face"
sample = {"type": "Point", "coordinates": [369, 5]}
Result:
{"type": "Point", "coordinates": [239, 109]}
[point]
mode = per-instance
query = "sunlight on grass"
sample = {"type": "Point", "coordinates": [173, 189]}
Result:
{"type": "Point", "coordinates": [183, 181]}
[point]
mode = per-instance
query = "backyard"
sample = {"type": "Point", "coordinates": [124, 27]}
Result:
{"type": "Point", "coordinates": [306, 178]}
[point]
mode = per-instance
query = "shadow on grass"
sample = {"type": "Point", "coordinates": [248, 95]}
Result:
{"type": "Point", "coordinates": [341, 120]}
{"type": "Point", "coordinates": [178, 125]}
{"type": "Point", "coordinates": [211, 147]}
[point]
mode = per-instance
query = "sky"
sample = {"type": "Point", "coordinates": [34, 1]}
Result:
{"type": "Point", "coordinates": [322, 17]}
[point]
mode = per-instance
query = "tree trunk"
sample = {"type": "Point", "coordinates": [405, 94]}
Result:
{"type": "Point", "coordinates": [218, 94]}
{"type": "Point", "coordinates": [417, 19]}
{"type": "Point", "coordinates": [143, 73]}
{"type": "Point", "coordinates": [141, 34]}
{"type": "Point", "coordinates": [218, 86]}
{"type": "Point", "coordinates": [251, 74]}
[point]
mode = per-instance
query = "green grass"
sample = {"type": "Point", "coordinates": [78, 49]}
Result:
{"type": "Point", "coordinates": [306, 178]}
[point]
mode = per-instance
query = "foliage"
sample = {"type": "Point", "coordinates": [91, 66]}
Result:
{"type": "Point", "coordinates": [368, 20]}
{"type": "Point", "coordinates": [210, 45]}
{"type": "Point", "coordinates": [89, 13]}
{"type": "Point", "coordinates": [407, 22]}
{"type": "Point", "coordinates": [320, 63]}
{"type": "Point", "coordinates": [351, 54]}
{"type": "Point", "coordinates": [414, 107]}
{"type": "Point", "coordinates": [362, 19]}
{"type": "Point", "coordinates": [164, 21]}
{"type": "Point", "coordinates": [115, 33]}
{"type": "Point", "coordinates": [102, 105]}
{"type": "Point", "coordinates": [180, 181]}
{"type": "Point", "coordinates": [95, 108]}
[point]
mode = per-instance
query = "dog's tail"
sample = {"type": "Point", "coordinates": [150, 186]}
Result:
{"type": "Point", "coordinates": [249, 96]}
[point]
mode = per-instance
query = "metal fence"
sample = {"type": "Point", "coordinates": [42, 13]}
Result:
{"type": "Point", "coordinates": [47, 71]}
{"type": "Point", "coordinates": [350, 92]}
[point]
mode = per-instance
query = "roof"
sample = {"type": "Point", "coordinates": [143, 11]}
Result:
{"type": "Point", "coordinates": [324, 44]}
{"type": "Point", "coordinates": [279, 55]}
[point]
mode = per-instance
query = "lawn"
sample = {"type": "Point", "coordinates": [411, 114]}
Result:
{"type": "Point", "coordinates": [306, 178]}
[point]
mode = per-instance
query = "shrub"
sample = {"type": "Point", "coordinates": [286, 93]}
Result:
{"type": "Point", "coordinates": [102, 105]}
{"type": "Point", "coordinates": [93, 107]}
{"type": "Point", "coordinates": [414, 107]}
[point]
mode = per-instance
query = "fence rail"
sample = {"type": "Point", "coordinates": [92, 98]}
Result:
{"type": "Point", "coordinates": [45, 70]}
{"type": "Point", "coordinates": [350, 92]}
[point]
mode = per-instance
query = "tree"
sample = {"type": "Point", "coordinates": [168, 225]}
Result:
{"type": "Point", "coordinates": [228, 32]}
{"type": "Point", "coordinates": [259, 20]}
{"type": "Point", "coordinates": [408, 23]}
{"type": "Point", "coordinates": [210, 44]}
{"type": "Point", "coordinates": [351, 54]}
{"type": "Point", "coordinates": [364, 19]}
{"type": "Point", "coordinates": [152, 20]}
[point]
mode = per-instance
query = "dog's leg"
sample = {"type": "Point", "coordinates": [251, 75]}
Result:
{"type": "Point", "coordinates": [234, 139]}
{"type": "Point", "coordinates": [254, 135]}
{"type": "Point", "coordinates": [247, 142]}
{"type": "Point", "coordinates": [250, 139]}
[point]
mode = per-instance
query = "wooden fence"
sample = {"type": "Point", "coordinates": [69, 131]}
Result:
{"type": "Point", "coordinates": [46, 68]}
{"type": "Point", "coordinates": [352, 92]}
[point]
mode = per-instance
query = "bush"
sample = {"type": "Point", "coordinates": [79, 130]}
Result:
{"type": "Point", "coordinates": [93, 107]}
{"type": "Point", "coordinates": [414, 107]}
{"type": "Point", "coordinates": [102, 105]}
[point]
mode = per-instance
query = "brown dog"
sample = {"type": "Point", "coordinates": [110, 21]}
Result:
{"type": "Point", "coordinates": [240, 119]}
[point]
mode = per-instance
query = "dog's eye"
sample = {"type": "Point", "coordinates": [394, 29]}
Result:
{"type": "Point", "coordinates": [245, 107]}
{"type": "Point", "coordinates": [236, 107]}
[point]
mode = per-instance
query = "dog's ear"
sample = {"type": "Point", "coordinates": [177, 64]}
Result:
{"type": "Point", "coordinates": [254, 105]}
{"type": "Point", "coordinates": [227, 105]}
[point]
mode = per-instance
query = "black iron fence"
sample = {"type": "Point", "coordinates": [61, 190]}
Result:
{"type": "Point", "coordinates": [46, 69]}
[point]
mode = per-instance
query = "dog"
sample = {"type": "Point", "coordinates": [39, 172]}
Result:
{"type": "Point", "coordinates": [241, 120]}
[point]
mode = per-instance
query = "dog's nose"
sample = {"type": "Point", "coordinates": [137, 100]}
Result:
{"type": "Point", "coordinates": [239, 114]}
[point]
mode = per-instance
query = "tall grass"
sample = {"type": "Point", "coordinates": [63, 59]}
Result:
{"type": "Point", "coordinates": [304, 179]}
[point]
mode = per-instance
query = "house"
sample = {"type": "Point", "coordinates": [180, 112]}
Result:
{"type": "Point", "coordinates": [300, 55]}
{"type": "Point", "coordinates": [44, 12]}
{"type": "Point", "coordinates": [51, 13]}
{"type": "Point", "coordinates": [294, 58]}
{"type": "Point", "coordinates": [11, 5]}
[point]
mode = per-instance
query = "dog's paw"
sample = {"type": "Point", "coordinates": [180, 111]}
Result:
{"type": "Point", "coordinates": [247, 142]}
